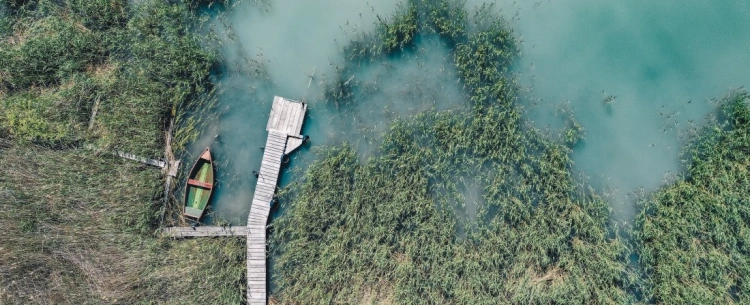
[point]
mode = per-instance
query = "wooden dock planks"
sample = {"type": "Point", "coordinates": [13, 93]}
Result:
{"type": "Point", "coordinates": [286, 116]}
{"type": "Point", "coordinates": [284, 123]}
{"type": "Point", "coordinates": [180, 232]}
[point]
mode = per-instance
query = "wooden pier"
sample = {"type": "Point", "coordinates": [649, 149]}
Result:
{"type": "Point", "coordinates": [180, 232]}
{"type": "Point", "coordinates": [284, 127]}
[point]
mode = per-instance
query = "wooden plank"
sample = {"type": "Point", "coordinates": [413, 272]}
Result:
{"type": "Point", "coordinates": [274, 140]}
{"type": "Point", "coordinates": [279, 105]}
{"type": "Point", "coordinates": [257, 213]}
{"type": "Point", "coordinates": [286, 117]}
{"type": "Point", "coordinates": [269, 177]}
{"type": "Point", "coordinates": [274, 112]}
{"type": "Point", "coordinates": [300, 113]}
{"type": "Point", "coordinates": [272, 150]}
{"type": "Point", "coordinates": [276, 136]}
{"type": "Point", "coordinates": [258, 231]}
{"type": "Point", "coordinates": [258, 201]}
{"type": "Point", "coordinates": [292, 128]}
{"type": "Point", "coordinates": [278, 108]}
{"type": "Point", "coordinates": [258, 210]}
{"type": "Point", "coordinates": [293, 109]}
{"type": "Point", "coordinates": [292, 144]}
{"type": "Point", "coordinates": [271, 164]}
{"type": "Point", "coordinates": [256, 218]}
{"type": "Point", "coordinates": [269, 173]}
{"type": "Point", "coordinates": [292, 116]}
{"type": "Point", "coordinates": [264, 190]}
{"type": "Point", "coordinates": [265, 186]}
{"type": "Point", "coordinates": [300, 120]}
{"type": "Point", "coordinates": [285, 114]}
{"type": "Point", "coordinates": [262, 201]}
{"type": "Point", "coordinates": [273, 147]}
{"type": "Point", "coordinates": [274, 161]}
{"type": "Point", "coordinates": [263, 198]}
{"type": "Point", "coordinates": [293, 121]}
{"type": "Point", "coordinates": [204, 231]}
{"type": "Point", "coordinates": [257, 221]}
{"type": "Point", "coordinates": [133, 157]}
{"type": "Point", "coordinates": [274, 143]}
{"type": "Point", "coordinates": [261, 208]}
{"type": "Point", "coordinates": [202, 184]}
{"type": "Point", "coordinates": [280, 115]}
{"type": "Point", "coordinates": [264, 195]}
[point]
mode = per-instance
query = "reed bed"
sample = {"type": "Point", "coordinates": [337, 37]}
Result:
{"type": "Point", "coordinates": [692, 236]}
{"type": "Point", "coordinates": [395, 227]}
{"type": "Point", "coordinates": [464, 206]}
{"type": "Point", "coordinates": [77, 80]}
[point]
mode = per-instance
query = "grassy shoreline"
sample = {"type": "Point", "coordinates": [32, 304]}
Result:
{"type": "Point", "coordinates": [79, 224]}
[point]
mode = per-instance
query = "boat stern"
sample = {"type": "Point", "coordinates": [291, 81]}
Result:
{"type": "Point", "coordinates": [194, 213]}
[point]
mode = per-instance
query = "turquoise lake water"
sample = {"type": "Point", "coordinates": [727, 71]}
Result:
{"type": "Point", "coordinates": [638, 75]}
{"type": "Point", "coordinates": [664, 62]}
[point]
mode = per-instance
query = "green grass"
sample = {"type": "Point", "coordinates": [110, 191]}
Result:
{"type": "Point", "coordinates": [79, 224]}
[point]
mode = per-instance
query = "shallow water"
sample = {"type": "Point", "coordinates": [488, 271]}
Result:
{"type": "Point", "coordinates": [662, 62]}
{"type": "Point", "coordinates": [268, 55]}
{"type": "Point", "coordinates": [638, 75]}
{"type": "Point", "coordinates": [635, 74]}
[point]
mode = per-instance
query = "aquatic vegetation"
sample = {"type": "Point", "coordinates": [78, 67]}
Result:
{"type": "Point", "coordinates": [389, 227]}
{"type": "Point", "coordinates": [447, 17]}
{"type": "Point", "coordinates": [107, 67]}
{"type": "Point", "coordinates": [400, 32]}
{"type": "Point", "coordinates": [692, 236]}
{"type": "Point", "coordinates": [464, 206]}
{"type": "Point", "coordinates": [78, 223]}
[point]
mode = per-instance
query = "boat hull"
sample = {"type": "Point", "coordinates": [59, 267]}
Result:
{"type": "Point", "coordinates": [199, 187]}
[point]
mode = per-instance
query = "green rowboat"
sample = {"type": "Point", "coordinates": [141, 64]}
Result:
{"type": "Point", "coordinates": [199, 186]}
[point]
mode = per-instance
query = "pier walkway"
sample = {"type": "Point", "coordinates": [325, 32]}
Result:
{"type": "Point", "coordinates": [180, 232]}
{"type": "Point", "coordinates": [284, 127]}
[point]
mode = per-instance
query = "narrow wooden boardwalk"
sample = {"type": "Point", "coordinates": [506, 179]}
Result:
{"type": "Point", "coordinates": [284, 127]}
{"type": "Point", "coordinates": [179, 232]}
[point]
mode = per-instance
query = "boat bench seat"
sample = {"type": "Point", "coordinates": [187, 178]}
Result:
{"type": "Point", "coordinates": [202, 184]}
